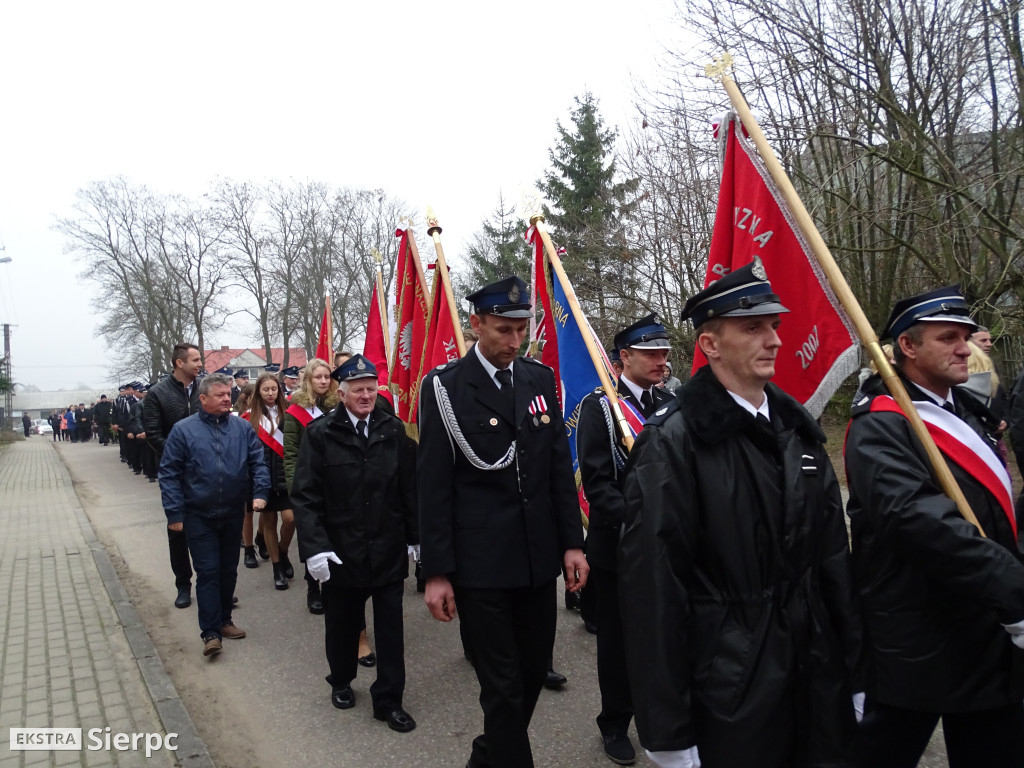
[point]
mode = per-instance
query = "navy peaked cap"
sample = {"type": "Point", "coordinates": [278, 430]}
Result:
{"type": "Point", "coordinates": [646, 333]}
{"type": "Point", "coordinates": [506, 298]}
{"type": "Point", "coordinates": [942, 304]}
{"type": "Point", "coordinates": [745, 291]}
{"type": "Point", "coordinates": [356, 367]}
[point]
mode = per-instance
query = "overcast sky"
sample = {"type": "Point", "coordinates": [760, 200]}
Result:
{"type": "Point", "coordinates": [442, 104]}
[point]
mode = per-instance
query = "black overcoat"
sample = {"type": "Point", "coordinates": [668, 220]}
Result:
{"type": "Point", "coordinates": [357, 499]}
{"type": "Point", "coordinates": [500, 529]}
{"type": "Point", "coordinates": [933, 591]}
{"type": "Point", "coordinates": [735, 584]}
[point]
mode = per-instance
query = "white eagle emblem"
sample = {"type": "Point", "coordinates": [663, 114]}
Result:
{"type": "Point", "coordinates": [405, 346]}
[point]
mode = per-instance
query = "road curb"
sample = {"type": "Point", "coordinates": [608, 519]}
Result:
{"type": "Point", "coordinates": [192, 751]}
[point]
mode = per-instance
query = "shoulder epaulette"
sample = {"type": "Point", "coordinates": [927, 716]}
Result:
{"type": "Point", "coordinates": [863, 405]}
{"type": "Point", "coordinates": [658, 417]}
{"type": "Point", "coordinates": [534, 361]}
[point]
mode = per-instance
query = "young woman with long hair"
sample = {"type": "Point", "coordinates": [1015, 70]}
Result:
{"type": "Point", "coordinates": [317, 394]}
{"type": "Point", "coordinates": [266, 414]}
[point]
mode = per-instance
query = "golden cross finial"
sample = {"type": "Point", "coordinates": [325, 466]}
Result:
{"type": "Point", "coordinates": [721, 66]}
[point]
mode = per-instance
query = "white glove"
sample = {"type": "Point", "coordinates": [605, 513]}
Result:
{"type": "Point", "coordinates": [675, 758]}
{"type": "Point", "coordinates": [318, 566]}
{"type": "Point", "coordinates": [414, 550]}
{"type": "Point", "coordinates": [858, 706]}
{"type": "Point", "coordinates": [1016, 633]}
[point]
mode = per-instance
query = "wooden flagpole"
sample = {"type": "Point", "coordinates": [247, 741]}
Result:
{"type": "Point", "coordinates": [441, 270]}
{"type": "Point", "coordinates": [537, 220]}
{"type": "Point", "coordinates": [842, 289]}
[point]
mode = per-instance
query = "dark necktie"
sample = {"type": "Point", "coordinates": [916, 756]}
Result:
{"type": "Point", "coordinates": [361, 428]}
{"type": "Point", "coordinates": [948, 406]}
{"type": "Point", "coordinates": [646, 401]}
{"type": "Point", "coordinates": [504, 378]}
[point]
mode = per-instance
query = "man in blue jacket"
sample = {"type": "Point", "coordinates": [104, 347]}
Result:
{"type": "Point", "coordinates": [210, 462]}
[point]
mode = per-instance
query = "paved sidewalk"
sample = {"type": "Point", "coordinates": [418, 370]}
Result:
{"type": "Point", "coordinates": [74, 654]}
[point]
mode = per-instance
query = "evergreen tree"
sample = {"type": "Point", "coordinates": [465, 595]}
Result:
{"type": "Point", "coordinates": [498, 250]}
{"type": "Point", "coordinates": [587, 205]}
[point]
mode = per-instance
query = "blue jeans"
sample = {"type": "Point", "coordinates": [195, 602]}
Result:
{"type": "Point", "coordinates": [213, 542]}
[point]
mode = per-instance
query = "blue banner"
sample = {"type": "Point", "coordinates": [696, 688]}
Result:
{"type": "Point", "coordinates": [579, 377]}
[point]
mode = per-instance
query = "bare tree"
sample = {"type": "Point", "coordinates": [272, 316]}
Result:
{"type": "Point", "coordinates": [119, 233]}
{"type": "Point", "coordinates": [901, 125]}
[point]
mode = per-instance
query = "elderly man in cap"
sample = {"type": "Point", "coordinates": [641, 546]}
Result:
{"type": "Point", "coordinates": [734, 574]}
{"type": "Point", "coordinates": [290, 379]}
{"type": "Point", "coordinates": [643, 350]}
{"type": "Point", "coordinates": [943, 605]}
{"type": "Point", "coordinates": [354, 493]}
{"type": "Point", "coordinates": [499, 514]}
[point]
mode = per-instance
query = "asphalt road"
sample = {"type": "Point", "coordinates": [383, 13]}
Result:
{"type": "Point", "coordinates": [264, 701]}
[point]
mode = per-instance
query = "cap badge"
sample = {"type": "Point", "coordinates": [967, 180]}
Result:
{"type": "Point", "coordinates": [360, 366]}
{"type": "Point", "coordinates": [758, 269]}
{"type": "Point", "coordinates": [513, 294]}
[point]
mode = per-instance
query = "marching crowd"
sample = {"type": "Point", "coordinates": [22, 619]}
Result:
{"type": "Point", "coordinates": [737, 621]}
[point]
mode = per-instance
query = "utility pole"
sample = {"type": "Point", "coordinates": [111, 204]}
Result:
{"type": "Point", "coordinates": [8, 423]}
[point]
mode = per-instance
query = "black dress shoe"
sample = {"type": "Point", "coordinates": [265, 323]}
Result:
{"type": "Point", "coordinates": [313, 600]}
{"type": "Point", "coordinates": [590, 626]}
{"type": "Point", "coordinates": [397, 719]}
{"type": "Point", "coordinates": [619, 749]}
{"type": "Point", "coordinates": [250, 558]}
{"type": "Point", "coordinates": [343, 698]}
{"type": "Point", "coordinates": [286, 566]}
{"type": "Point", "coordinates": [553, 681]}
{"type": "Point", "coordinates": [184, 598]}
{"type": "Point", "coordinates": [368, 660]}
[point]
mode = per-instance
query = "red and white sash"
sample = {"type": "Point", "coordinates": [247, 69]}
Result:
{"type": "Point", "coordinates": [304, 415]}
{"type": "Point", "coordinates": [964, 447]}
{"type": "Point", "coordinates": [273, 440]}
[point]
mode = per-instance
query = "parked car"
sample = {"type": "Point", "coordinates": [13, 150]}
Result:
{"type": "Point", "coordinates": [41, 427]}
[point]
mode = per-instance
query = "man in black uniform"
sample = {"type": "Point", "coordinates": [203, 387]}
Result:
{"type": "Point", "coordinates": [103, 413]}
{"type": "Point", "coordinates": [120, 417]}
{"type": "Point", "coordinates": [643, 349]}
{"type": "Point", "coordinates": [241, 379]}
{"type": "Point", "coordinates": [169, 401]}
{"type": "Point", "coordinates": [131, 446]}
{"type": "Point", "coordinates": [290, 379]}
{"type": "Point", "coordinates": [354, 492]}
{"type": "Point", "coordinates": [83, 423]}
{"type": "Point", "coordinates": [734, 570]}
{"type": "Point", "coordinates": [934, 591]}
{"type": "Point", "coordinates": [499, 514]}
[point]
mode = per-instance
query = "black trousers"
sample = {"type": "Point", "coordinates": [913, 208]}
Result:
{"type": "Point", "coordinates": [122, 442]}
{"type": "Point", "coordinates": [133, 452]}
{"type": "Point", "coordinates": [344, 620]}
{"type": "Point", "coordinates": [896, 738]}
{"type": "Point", "coordinates": [104, 432]}
{"type": "Point", "coordinates": [181, 563]}
{"type": "Point", "coordinates": [616, 701]}
{"type": "Point", "coordinates": [510, 634]}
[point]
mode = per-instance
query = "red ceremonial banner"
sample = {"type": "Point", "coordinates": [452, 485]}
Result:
{"type": "Point", "coordinates": [819, 345]}
{"type": "Point", "coordinates": [410, 344]}
{"type": "Point", "coordinates": [543, 337]}
{"type": "Point", "coordinates": [373, 348]}
{"type": "Point", "coordinates": [323, 345]}
{"type": "Point", "coordinates": [441, 345]}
